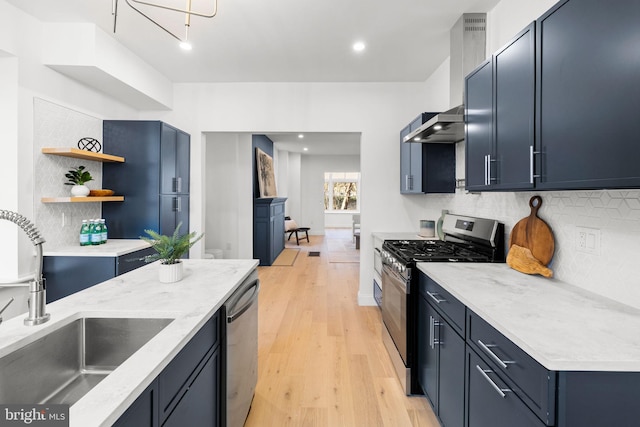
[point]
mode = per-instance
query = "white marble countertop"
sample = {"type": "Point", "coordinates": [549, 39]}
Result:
{"type": "Point", "coordinates": [191, 302]}
{"type": "Point", "coordinates": [563, 327]}
{"type": "Point", "coordinates": [113, 248]}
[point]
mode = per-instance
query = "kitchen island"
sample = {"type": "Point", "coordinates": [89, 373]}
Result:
{"type": "Point", "coordinates": [206, 285]}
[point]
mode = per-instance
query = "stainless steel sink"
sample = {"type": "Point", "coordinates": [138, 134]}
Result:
{"type": "Point", "coordinates": [64, 365]}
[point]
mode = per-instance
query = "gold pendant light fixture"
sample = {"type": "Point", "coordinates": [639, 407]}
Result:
{"type": "Point", "coordinates": [187, 11]}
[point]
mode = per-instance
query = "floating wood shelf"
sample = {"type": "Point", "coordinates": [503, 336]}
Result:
{"type": "Point", "coordinates": [81, 199]}
{"type": "Point", "coordinates": [83, 154]}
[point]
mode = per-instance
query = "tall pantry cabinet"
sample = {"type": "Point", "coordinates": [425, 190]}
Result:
{"type": "Point", "coordinates": [154, 178]}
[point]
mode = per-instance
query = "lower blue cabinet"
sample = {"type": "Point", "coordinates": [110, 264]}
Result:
{"type": "Point", "coordinates": [142, 412]}
{"type": "Point", "coordinates": [199, 405]}
{"type": "Point", "coordinates": [188, 391]}
{"type": "Point", "coordinates": [66, 275]}
{"type": "Point", "coordinates": [491, 402]}
{"type": "Point", "coordinates": [441, 353]}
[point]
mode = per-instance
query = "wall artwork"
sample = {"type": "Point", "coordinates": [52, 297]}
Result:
{"type": "Point", "coordinates": [266, 174]}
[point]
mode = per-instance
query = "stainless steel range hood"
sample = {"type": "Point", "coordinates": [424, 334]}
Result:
{"type": "Point", "coordinates": [467, 49]}
{"type": "Point", "coordinates": [445, 127]}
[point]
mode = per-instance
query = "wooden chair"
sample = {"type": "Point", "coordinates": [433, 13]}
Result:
{"type": "Point", "coordinates": [292, 228]}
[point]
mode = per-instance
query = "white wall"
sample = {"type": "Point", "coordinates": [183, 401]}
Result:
{"type": "Point", "coordinates": [312, 188]}
{"type": "Point", "coordinates": [228, 192]}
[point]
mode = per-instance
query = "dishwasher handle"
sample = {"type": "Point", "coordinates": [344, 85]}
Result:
{"type": "Point", "coordinates": [233, 312]}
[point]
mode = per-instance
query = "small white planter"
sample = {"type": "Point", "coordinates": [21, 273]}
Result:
{"type": "Point", "coordinates": [169, 273]}
{"type": "Point", "coordinates": [79, 191]}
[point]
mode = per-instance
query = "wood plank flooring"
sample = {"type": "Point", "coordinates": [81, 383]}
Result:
{"type": "Point", "coordinates": [321, 360]}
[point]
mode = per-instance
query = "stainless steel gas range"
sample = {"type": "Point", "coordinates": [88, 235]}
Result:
{"type": "Point", "coordinates": [466, 239]}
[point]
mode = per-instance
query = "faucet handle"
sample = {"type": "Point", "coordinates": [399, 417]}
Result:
{"type": "Point", "coordinates": [5, 307]}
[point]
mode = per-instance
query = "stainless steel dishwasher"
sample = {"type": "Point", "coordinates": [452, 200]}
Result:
{"type": "Point", "coordinates": [241, 350]}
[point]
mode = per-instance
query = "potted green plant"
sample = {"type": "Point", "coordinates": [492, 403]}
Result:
{"type": "Point", "coordinates": [169, 250]}
{"type": "Point", "coordinates": [78, 177]}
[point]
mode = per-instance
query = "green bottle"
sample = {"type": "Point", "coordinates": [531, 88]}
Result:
{"type": "Point", "coordinates": [103, 224]}
{"type": "Point", "coordinates": [85, 233]}
{"type": "Point", "coordinates": [96, 232]}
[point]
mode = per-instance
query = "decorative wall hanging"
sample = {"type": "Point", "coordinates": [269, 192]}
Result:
{"type": "Point", "coordinates": [266, 175]}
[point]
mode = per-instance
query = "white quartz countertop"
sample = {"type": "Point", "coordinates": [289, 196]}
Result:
{"type": "Point", "coordinates": [563, 327]}
{"type": "Point", "coordinates": [113, 248]}
{"type": "Point", "coordinates": [191, 302]}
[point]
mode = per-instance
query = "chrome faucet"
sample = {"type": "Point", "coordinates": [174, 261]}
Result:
{"type": "Point", "coordinates": [37, 289]}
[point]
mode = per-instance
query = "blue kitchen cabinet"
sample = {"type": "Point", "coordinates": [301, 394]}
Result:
{"type": "Point", "coordinates": [268, 228]}
{"type": "Point", "coordinates": [441, 352]}
{"type": "Point", "coordinates": [500, 111]}
{"type": "Point", "coordinates": [188, 391]}
{"type": "Point", "coordinates": [425, 168]}
{"type": "Point", "coordinates": [66, 275]}
{"type": "Point", "coordinates": [478, 106]}
{"type": "Point", "coordinates": [588, 95]}
{"type": "Point", "coordinates": [154, 178]}
{"type": "Point", "coordinates": [142, 412]}
{"type": "Point", "coordinates": [491, 401]}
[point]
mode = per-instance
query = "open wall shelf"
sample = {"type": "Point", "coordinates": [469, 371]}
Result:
{"type": "Point", "coordinates": [81, 199]}
{"type": "Point", "coordinates": [83, 154]}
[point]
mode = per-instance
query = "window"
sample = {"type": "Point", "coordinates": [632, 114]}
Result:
{"type": "Point", "coordinates": [342, 191]}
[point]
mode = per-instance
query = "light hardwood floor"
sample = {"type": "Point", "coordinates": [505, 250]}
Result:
{"type": "Point", "coordinates": [321, 360]}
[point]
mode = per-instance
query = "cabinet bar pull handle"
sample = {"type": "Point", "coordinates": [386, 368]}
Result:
{"type": "Point", "coordinates": [434, 297]}
{"type": "Point", "coordinates": [487, 349]}
{"type": "Point", "coordinates": [406, 182]}
{"type": "Point", "coordinates": [499, 390]}
{"type": "Point", "coordinates": [179, 185]}
{"type": "Point", "coordinates": [489, 179]}
{"type": "Point", "coordinates": [486, 164]}
{"type": "Point", "coordinates": [432, 332]}
{"type": "Point", "coordinates": [531, 153]}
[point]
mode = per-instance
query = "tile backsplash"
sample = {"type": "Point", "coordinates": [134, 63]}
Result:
{"type": "Point", "coordinates": [58, 126]}
{"type": "Point", "coordinates": [615, 213]}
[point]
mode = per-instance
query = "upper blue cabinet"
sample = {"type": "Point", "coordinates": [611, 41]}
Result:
{"type": "Point", "coordinates": [426, 167]}
{"type": "Point", "coordinates": [500, 115]}
{"type": "Point", "coordinates": [563, 96]}
{"type": "Point", "coordinates": [588, 99]}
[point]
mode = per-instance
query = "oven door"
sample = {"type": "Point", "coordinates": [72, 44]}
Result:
{"type": "Point", "coordinates": [394, 308]}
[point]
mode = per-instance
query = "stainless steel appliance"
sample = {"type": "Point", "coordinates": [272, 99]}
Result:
{"type": "Point", "coordinates": [466, 239]}
{"type": "Point", "coordinates": [241, 350]}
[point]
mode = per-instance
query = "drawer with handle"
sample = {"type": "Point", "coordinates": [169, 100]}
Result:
{"type": "Point", "coordinates": [531, 381]}
{"type": "Point", "coordinates": [491, 400]}
{"type": "Point", "coordinates": [444, 302]}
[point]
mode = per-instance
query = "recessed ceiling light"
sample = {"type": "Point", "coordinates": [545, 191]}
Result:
{"type": "Point", "coordinates": [300, 136]}
{"type": "Point", "coordinates": [437, 127]}
{"type": "Point", "coordinates": [305, 149]}
{"type": "Point", "coordinates": [358, 46]}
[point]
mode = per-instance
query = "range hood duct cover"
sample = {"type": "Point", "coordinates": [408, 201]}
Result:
{"type": "Point", "coordinates": [468, 44]}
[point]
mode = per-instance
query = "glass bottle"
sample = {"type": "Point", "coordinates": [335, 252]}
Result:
{"type": "Point", "coordinates": [85, 233]}
{"type": "Point", "coordinates": [96, 232]}
{"type": "Point", "coordinates": [105, 235]}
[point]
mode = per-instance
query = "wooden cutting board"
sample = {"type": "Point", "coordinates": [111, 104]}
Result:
{"type": "Point", "coordinates": [534, 234]}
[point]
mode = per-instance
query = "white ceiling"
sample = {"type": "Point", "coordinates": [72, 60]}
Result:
{"type": "Point", "coordinates": [282, 41]}
{"type": "Point", "coordinates": [318, 143]}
